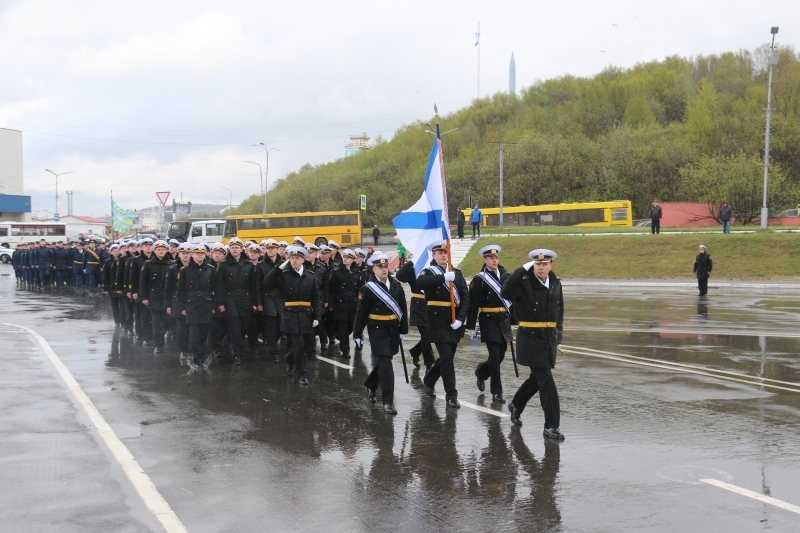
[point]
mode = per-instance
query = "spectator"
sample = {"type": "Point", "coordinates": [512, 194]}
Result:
{"type": "Point", "coordinates": [476, 217]}
{"type": "Point", "coordinates": [460, 220]}
{"type": "Point", "coordinates": [370, 251]}
{"type": "Point", "coordinates": [401, 253]}
{"type": "Point", "coordinates": [655, 218]}
{"type": "Point", "coordinates": [376, 234]}
{"type": "Point", "coordinates": [725, 214]}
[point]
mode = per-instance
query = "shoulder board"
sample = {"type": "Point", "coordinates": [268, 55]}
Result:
{"type": "Point", "coordinates": [424, 272]}
{"type": "Point", "coordinates": [143, 267]}
{"type": "Point", "coordinates": [472, 283]}
{"type": "Point", "coordinates": [179, 275]}
{"type": "Point", "coordinates": [361, 292]}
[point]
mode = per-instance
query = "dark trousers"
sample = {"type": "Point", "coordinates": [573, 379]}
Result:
{"type": "Point", "coordinates": [158, 322]}
{"type": "Point", "coordinates": [476, 227]}
{"type": "Point", "coordinates": [541, 381]}
{"type": "Point", "coordinates": [270, 331]}
{"type": "Point", "coordinates": [297, 358]}
{"type": "Point", "coordinates": [253, 330]}
{"type": "Point", "coordinates": [343, 329]}
{"type": "Point", "coordinates": [144, 326]}
{"type": "Point", "coordinates": [443, 367]}
{"type": "Point", "coordinates": [423, 347]}
{"type": "Point", "coordinates": [330, 326]}
{"type": "Point", "coordinates": [702, 284]}
{"type": "Point", "coordinates": [91, 276]}
{"type": "Point", "coordinates": [43, 273]}
{"type": "Point", "coordinates": [77, 277]}
{"type": "Point", "coordinates": [116, 310]}
{"type": "Point", "coordinates": [322, 333]}
{"type": "Point", "coordinates": [217, 331]}
{"type": "Point", "coordinates": [655, 225]}
{"type": "Point", "coordinates": [197, 337]}
{"type": "Point", "coordinates": [129, 313]}
{"type": "Point", "coordinates": [237, 326]}
{"type": "Point", "coordinates": [182, 332]}
{"type": "Point", "coordinates": [490, 369]}
{"type": "Point", "coordinates": [382, 374]}
{"type": "Point", "coordinates": [61, 277]}
{"type": "Point", "coordinates": [310, 344]}
{"type": "Point", "coordinates": [376, 238]}
{"type": "Point", "coordinates": [460, 230]}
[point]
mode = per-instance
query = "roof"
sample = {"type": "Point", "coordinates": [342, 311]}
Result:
{"type": "Point", "coordinates": [90, 220]}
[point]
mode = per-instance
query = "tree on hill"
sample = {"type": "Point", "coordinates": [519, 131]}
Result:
{"type": "Point", "coordinates": [658, 130]}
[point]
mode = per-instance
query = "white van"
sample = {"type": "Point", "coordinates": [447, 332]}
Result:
{"type": "Point", "coordinates": [207, 230]}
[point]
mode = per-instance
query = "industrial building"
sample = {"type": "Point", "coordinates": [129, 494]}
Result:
{"type": "Point", "coordinates": [14, 205]}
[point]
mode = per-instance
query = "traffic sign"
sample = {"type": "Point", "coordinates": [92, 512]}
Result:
{"type": "Point", "coordinates": [363, 202]}
{"type": "Point", "coordinates": [162, 197]}
{"type": "Point", "coordinates": [56, 218]}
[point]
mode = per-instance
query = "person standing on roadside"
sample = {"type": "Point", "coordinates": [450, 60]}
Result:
{"type": "Point", "coordinates": [725, 215]}
{"type": "Point", "coordinates": [460, 220]}
{"type": "Point", "coordinates": [655, 218]}
{"type": "Point", "coordinates": [476, 217]}
{"type": "Point", "coordinates": [376, 234]}
{"type": "Point", "coordinates": [702, 267]}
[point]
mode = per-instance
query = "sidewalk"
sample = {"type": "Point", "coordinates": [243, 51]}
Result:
{"type": "Point", "coordinates": [688, 283]}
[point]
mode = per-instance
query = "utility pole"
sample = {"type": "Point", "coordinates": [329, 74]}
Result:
{"type": "Point", "coordinates": [773, 60]}
{"type": "Point", "coordinates": [501, 144]}
{"type": "Point", "coordinates": [266, 172]}
{"type": "Point", "coordinates": [478, 44]}
{"type": "Point", "coordinates": [58, 198]}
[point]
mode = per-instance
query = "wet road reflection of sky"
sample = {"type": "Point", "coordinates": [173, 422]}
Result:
{"type": "Point", "coordinates": [245, 448]}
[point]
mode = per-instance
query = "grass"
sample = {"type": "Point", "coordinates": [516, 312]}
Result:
{"type": "Point", "coordinates": [568, 230]}
{"type": "Point", "coordinates": [752, 256]}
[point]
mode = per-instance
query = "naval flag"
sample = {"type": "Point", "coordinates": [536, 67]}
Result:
{"type": "Point", "coordinates": [427, 220]}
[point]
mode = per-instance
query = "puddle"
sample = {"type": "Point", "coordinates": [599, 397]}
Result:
{"type": "Point", "coordinates": [98, 389]}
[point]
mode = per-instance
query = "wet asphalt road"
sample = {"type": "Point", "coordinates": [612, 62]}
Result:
{"type": "Point", "coordinates": [248, 449]}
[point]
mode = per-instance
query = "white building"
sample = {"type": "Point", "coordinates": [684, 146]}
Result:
{"type": "Point", "coordinates": [14, 205]}
{"type": "Point", "coordinates": [80, 224]}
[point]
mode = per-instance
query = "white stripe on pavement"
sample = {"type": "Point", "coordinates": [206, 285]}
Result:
{"type": "Point", "coordinates": [755, 495]}
{"type": "Point", "coordinates": [335, 363]}
{"type": "Point", "coordinates": [138, 478]}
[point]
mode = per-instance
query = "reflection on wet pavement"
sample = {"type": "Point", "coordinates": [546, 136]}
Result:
{"type": "Point", "coordinates": [236, 448]}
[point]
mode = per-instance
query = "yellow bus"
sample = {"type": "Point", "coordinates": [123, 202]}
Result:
{"type": "Point", "coordinates": [344, 227]}
{"type": "Point", "coordinates": [590, 214]}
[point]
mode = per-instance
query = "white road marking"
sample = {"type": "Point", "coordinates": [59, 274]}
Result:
{"type": "Point", "coordinates": [478, 408]}
{"type": "Point", "coordinates": [733, 332]}
{"type": "Point", "coordinates": [625, 359]}
{"type": "Point", "coordinates": [335, 363]}
{"type": "Point", "coordinates": [695, 367]}
{"type": "Point", "coordinates": [755, 495]}
{"type": "Point", "coordinates": [138, 478]}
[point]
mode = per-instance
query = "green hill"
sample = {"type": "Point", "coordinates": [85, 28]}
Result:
{"type": "Point", "coordinates": [673, 130]}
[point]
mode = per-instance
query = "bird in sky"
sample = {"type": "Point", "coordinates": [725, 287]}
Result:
{"type": "Point", "coordinates": [614, 25]}
{"type": "Point", "coordinates": [602, 51]}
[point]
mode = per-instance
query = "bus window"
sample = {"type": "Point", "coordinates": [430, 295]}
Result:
{"type": "Point", "coordinates": [215, 230]}
{"type": "Point", "coordinates": [197, 231]}
{"type": "Point", "coordinates": [3, 232]}
{"type": "Point", "coordinates": [619, 214]}
{"type": "Point", "coordinates": [230, 228]}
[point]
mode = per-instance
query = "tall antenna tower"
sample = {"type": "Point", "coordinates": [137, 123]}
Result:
{"type": "Point", "coordinates": [478, 44]}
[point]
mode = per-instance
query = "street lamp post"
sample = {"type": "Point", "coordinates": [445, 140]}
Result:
{"type": "Point", "coordinates": [230, 191]}
{"type": "Point", "coordinates": [261, 181]}
{"type": "Point", "coordinates": [266, 172]}
{"type": "Point", "coordinates": [58, 199]}
{"type": "Point", "coordinates": [773, 60]}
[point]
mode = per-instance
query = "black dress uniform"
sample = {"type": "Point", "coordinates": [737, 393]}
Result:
{"type": "Point", "coordinates": [110, 286]}
{"type": "Point", "coordinates": [142, 323]}
{"type": "Point", "coordinates": [343, 286]}
{"type": "Point", "coordinates": [437, 297]}
{"type": "Point", "coordinates": [487, 309]}
{"type": "Point", "coordinates": [153, 289]}
{"type": "Point", "coordinates": [384, 327]}
{"type": "Point", "coordinates": [418, 316]}
{"type": "Point", "coordinates": [323, 279]}
{"type": "Point", "coordinates": [194, 299]}
{"type": "Point", "coordinates": [236, 289]}
{"type": "Point", "coordinates": [77, 267]}
{"type": "Point", "coordinates": [539, 306]}
{"type": "Point", "coordinates": [302, 306]}
{"type": "Point", "coordinates": [270, 317]}
{"type": "Point", "coordinates": [61, 260]}
{"type": "Point", "coordinates": [123, 278]}
{"type": "Point", "coordinates": [181, 326]}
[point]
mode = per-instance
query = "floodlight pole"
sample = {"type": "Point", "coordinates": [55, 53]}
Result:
{"type": "Point", "coordinates": [772, 60]}
{"type": "Point", "coordinates": [58, 199]}
{"type": "Point", "coordinates": [266, 172]}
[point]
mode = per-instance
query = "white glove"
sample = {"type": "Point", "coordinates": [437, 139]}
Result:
{"type": "Point", "coordinates": [402, 337]}
{"type": "Point", "coordinates": [528, 265]}
{"type": "Point", "coordinates": [360, 343]}
{"type": "Point", "coordinates": [315, 323]}
{"type": "Point", "coordinates": [456, 324]}
{"type": "Point", "coordinates": [284, 266]}
{"type": "Point", "coordinates": [449, 276]}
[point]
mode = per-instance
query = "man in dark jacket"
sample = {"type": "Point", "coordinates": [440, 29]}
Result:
{"type": "Point", "coordinates": [725, 215]}
{"type": "Point", "coordinates": [271, 306]}
{"type": "Point", "coordinates": [702, 267]}
{"type": "Point", "coordinates": [376, 234]}
{"type": "Point", "coordinates": [418, 316]}
{"type": "Point", "coordinates": [321, 272]}
{"type": "Point", "coordinates": [61, 260]}
{"type": "Point", "coordinates": [435, 280]}
{"type": "Point", "coordinates": [218, 329]}
{"type": "Point", "coordinates": [460, 220]}
{"type": "Point", "coordinates": [44, 260]}
{"type": "Point", "coordinates": [77, 266]}
{"type": "Point", "coordinates": [183, 254]}
{"type": "Point", "coordinates": [535, 292]}
{"type": "Point", "coordinates": [109, 285]}
{"type": "Point", "coordinates": [91, 265]}
{"type": "Point", "coordinates": [343, 285]}
{"type": "Point", "coordinates": [236, 294]}
{"type": "Point", "coordinates": [194, 300]}
{"type": "Point", "coordinates": [493, 313]}
{"type": "Point", "coordinates": [153, 291]}
{"type": "Point", "coordinates": [143, 324]}
{"type": "Point", "coordinates": [655, 218]}
{"type": "Point", "coordinates": [298, 289]}
{"type": "Point", "coordinates": [381, 309]}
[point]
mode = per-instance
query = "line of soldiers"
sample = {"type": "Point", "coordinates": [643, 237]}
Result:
{"type": "Point", "coordinates": [303, 292]}
{"type": "Point", "coordinates": [59, 266]}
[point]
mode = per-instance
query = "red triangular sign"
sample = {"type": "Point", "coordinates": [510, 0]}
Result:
{"type": "Point", "coordinates": [162, 197]}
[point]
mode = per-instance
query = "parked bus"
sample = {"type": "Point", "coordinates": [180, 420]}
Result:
{"type": "Point", "coordinates": [343, 227]}
{"type": "Point", "coordinates": [206, 231]}
{"type": "Point", "coordinates": [14, 233]}
{"type": "Point", "coordinates": [587, 214]}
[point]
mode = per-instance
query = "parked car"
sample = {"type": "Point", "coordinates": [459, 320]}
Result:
{"type": "Point", "coordinates": [789, 213]}
{"type": "Point", "coordinates": [5, 254]}
{"type": "Point", "coordinates": [643, 223]}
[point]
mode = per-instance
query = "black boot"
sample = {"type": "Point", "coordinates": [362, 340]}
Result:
{"type": "Point", "coordinates": [237, 359]}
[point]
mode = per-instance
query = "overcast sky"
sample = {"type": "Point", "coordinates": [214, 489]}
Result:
{"type": "Point", "coordinates": [139, 97]}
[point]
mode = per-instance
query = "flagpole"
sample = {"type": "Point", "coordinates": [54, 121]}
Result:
{"type": "Point", "coordinates": [444, 197]}
{"type": "Point", "coordinates": [112, 216]}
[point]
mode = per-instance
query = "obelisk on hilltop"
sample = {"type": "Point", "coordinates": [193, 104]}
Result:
{"type": "Point", "coordinates": [512, 76]}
